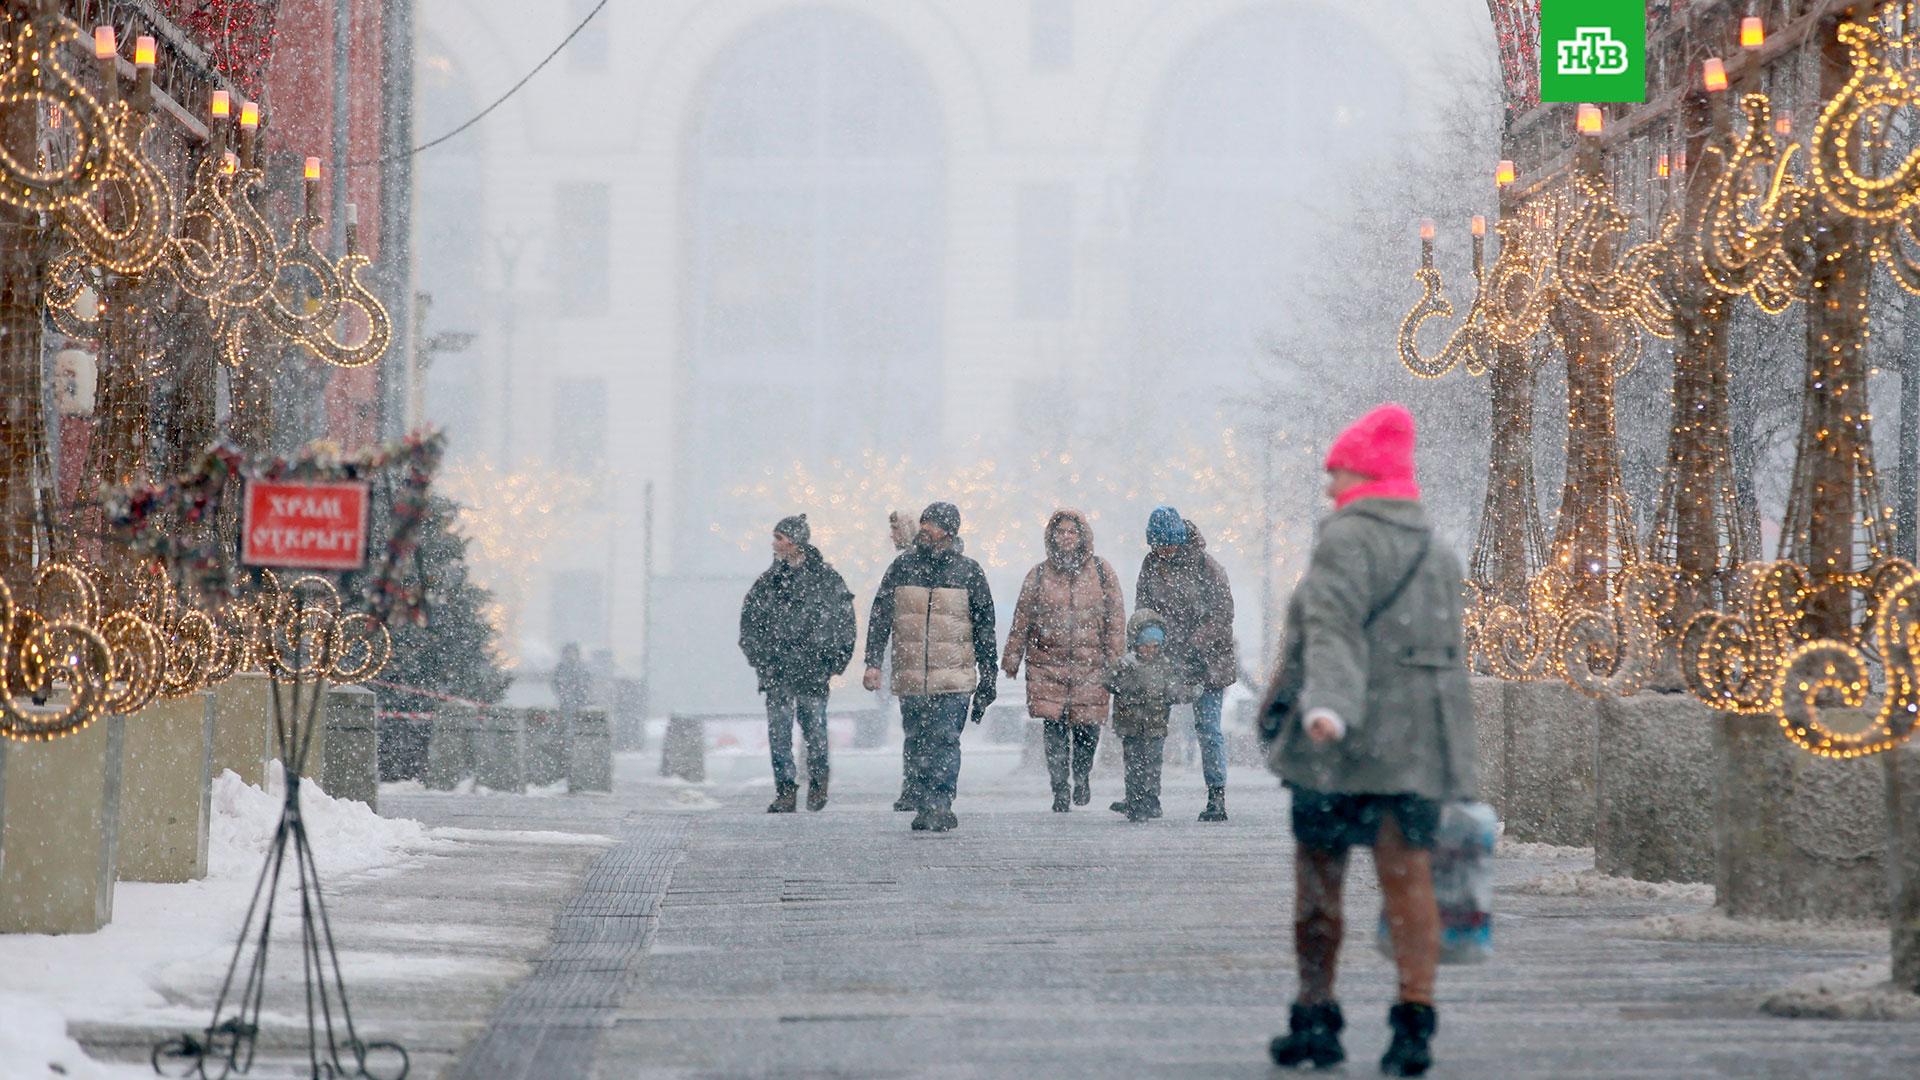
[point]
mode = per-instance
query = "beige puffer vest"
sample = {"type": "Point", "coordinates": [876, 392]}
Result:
{"type": "Point", "coordinates": [932, 642]}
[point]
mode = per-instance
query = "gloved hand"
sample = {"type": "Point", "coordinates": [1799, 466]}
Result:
{"type": "Point", "coordinates": [983, 695]}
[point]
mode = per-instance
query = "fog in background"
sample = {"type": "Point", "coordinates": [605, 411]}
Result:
{"type": "Point", "coordinates": [770, 257]}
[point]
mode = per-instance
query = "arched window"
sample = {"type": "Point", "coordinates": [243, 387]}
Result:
{"type": "Point", "coordinates": [815, 223]}
{"type": "Point", "coordinates": [1254, 133]}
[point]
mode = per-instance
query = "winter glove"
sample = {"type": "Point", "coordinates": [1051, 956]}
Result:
{"type": "Point", "coordinates": [983, 695]}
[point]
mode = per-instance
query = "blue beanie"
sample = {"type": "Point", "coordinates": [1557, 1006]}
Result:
{"type": "Point", "coordinates": [1152, 635]}
{"type": "Point", "coordinates": [1166, 526]}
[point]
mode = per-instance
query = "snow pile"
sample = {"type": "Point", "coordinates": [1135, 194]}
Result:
{"type": "Point", "coordinates": [1861, 992]}
{"type": "Point", "coordinates": [34, 1043]}
{"type": "Point", "coordinates": [1522, 849]}
{"type": "Point", "coordinates": [1593, 885]}
{"type": "Point", "coordinates": [1716, 927]}
{"type": "Point", "coordinates": [346, 836]}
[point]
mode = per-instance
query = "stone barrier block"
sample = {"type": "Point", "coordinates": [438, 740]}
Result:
{"type": "Point", "coordinates": [546, 746]}
{"type": "Point", "coordinates": [1654, 818]}
{"type": "Point", "coordinates": [243, 727]}
{"type": "Point", "coordinates": [1490, 737]}
{"type": "Point", "coordinates": [1903, 861]}
{"type": "Point", "coordinates": [500, 750]}
{"type": "Point", "coordinates": [166, 791]}
{"type": "Point", "coordinates": [405, 742]}
{"type": "Point", "coordinates": [59, 819]}
{"type": "Point", "coordinates": [1550, 780]}
{"type": "Point", "coordinates": [350, 761]}
{"type": "Point", "coordinates": [683, 751]}
{"type": "Point", "coordinates": [590, 752]}
{"type": "Point", "coordinates": [1796, 836]}
{"type": "Point", "coordinates": [450, 746]}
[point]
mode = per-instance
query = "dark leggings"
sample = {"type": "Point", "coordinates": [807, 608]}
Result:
{"type": "Point", "coordinates": [1069, 746]}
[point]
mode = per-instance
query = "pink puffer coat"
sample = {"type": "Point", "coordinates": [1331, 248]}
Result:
{"type": "Point", "coordinates": [1069, 625]}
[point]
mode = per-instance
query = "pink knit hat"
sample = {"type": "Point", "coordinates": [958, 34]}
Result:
{"type": "Point", "coordinates": [1379, 446]}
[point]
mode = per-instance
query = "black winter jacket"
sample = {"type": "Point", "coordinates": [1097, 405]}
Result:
{"type": "Point", "coordinates": [797, 625]}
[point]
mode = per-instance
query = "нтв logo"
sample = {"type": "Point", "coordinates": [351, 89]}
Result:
{"type": "Point", "coordinates": [1593, 50]}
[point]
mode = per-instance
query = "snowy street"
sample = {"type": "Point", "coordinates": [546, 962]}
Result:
{"type": "Point", "coordinates": [1033, 944]}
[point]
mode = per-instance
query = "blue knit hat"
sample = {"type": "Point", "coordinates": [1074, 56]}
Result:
{"type": "Point", "coordinates": [1151, 635]}
{"type": "Point", "coordinates": [1166, 526]}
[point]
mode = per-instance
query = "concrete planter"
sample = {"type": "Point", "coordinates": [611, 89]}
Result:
{"type": "Point", "coordinates": [590, 752]}
{"type": "Point", "coordinates": [1490, 738]}
{"type": "Point", "coordinates": [59, 821]}
{"type": "Point", "coordinates": [1903, 861]}
{"type": "Point", "coordinates": [1550, 781]}
{"type": "Point", "coordinates": [1798, 836]}
{"type": "Point", "coordinates": [546, 746]}
{"type": "Point", "coordinates": [450, 746]}
{"type": "Point", "coordinates": [166, 791]}
{"type": "Point", "coordinates": [1654, 816]}
{"type": "Point", "coordinates": [349, 759]}
{"type": "Point", "coordinates": [243, 727]}
{"type": "Point", "coordinates": [500, 750]}
{"type": "Point", "coordinates": [683, 752]}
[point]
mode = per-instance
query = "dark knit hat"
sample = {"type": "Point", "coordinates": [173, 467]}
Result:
{"type": "Point", "coordinates": [944, 514]}
{"type": "Point", "coordinates": [795, 528]}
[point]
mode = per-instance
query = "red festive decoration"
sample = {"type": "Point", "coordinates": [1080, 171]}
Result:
{"type": "Point", "coordinates": [237, 35]}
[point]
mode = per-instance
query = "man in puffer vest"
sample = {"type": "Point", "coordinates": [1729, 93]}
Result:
{"type": "Point", "coordinates": [933, 604]}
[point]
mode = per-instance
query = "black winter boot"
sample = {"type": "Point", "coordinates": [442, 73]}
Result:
{"type": "Point", "coordinates": [904, 803]}
{"type": "Point", "coordinates": [786, 798]}
{"type": "Point", "coordinates": [1413, 1025]}
{"type": "Point", "coordinates": [1082, 792]}
{"type": "Point", "coordinates": [1060, 804]}
{"type": "Point", "coordinates": [923, 819]}
{"type": "Point", "coordinates": [1120, 807]}
{"type": "Point", "coordinates": [817, 792]}
{"type": "Point", "coordinates": [942, 819]}
{"type": "Point", "coordinates": [1313, 1037]}
{"type": "Point", "coordinates": [1216, 805]}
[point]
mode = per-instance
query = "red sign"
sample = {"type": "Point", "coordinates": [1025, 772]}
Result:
{"type": "Point", "coordinates": [305, 526]}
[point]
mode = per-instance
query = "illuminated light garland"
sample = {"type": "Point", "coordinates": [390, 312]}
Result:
{"type": "Point", "coordinates": [144, 203]}
{"type": "Point", "coordinates": [1745, 240]}
{"type": "Point", "coordinates": [34, 78]}
{"type": "Point", "coordinates": [1841, 669]}
{"type": "Point", "coordinates": [40, 654]}
{"type": "Point", "coordinates": [1617, 652]}
{"type": "Point", "coordinates": [1853, 121]}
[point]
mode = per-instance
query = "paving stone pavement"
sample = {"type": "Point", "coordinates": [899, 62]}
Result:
{"type": "Point", "coordinates": [725, 942]}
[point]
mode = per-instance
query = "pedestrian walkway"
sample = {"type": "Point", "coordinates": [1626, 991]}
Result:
{"type": "Point", "coordinates": [1030, 944]}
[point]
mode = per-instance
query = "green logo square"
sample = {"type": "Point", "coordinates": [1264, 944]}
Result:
{"type": "Point", "coordinates": [1593, 50]}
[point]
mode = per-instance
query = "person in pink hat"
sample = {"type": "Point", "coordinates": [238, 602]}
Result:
{"type": "Point", "coordinates": [1370, 723]}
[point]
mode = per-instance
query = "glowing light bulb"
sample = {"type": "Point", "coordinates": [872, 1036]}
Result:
{"type": "Point", "coordinates": [1663, 167]}
{"type": "Point", "coordinates": [1586, 119]}
{"type": "Point", "coordinates": [1753, 32]}
{"type": "Point", "coordinates": [143, 51]}
{"type": "Point", "coordinates": [222, 104]}
{"type": "Point", "coordinates": [104, 46]}
{"type": "Point", "coordinates": [1426, 228]}
{"type": "Point", "coordinates": [1503, 174]}
{"type": "Point", "coordinates": [1479, 225]}
{"type": "Point", "coordinates": [313, 168]}
{"type": "Point", "coordinates": [249, 114]}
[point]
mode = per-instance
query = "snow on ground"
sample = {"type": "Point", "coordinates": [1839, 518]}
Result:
{"type": "Point", "coordinates": [1860, 992]}
{"type": "Point", "coordinates": [1521, 849]}
{"type": "Point", "coordinates": [1716, 927]}
{"type": "Point", "coordinates": [166, 936]}
{"type": "Point", "coordinates": [1593, 885]}
{"type": "Point", "coordinates": [34, 1045]}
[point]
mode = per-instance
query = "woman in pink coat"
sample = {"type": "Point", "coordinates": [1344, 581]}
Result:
{"type": "Point", "coordinates": [1069, 625]}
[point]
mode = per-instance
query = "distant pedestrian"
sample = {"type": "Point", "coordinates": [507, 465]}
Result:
{"type": "Point", "coordinates": [1189, 590]}
{"type": "Point", "coordinates": [797, 630]}
{"type": "Point", "coordinates": [1374, 717]}
{"type": "Point", "coordinates": [934, 606]}
{"type": "Point", "coordinates": [1069, 625]}
{"type": "Point", "coordinates": [572, 684]}
{"type": "Point", "coordinates": [901, 527]}
{"type": "Point", "coordinates": [1146, 684]}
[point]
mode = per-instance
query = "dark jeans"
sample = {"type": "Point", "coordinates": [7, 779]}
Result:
{"type": "Point", "coordinates": [1069, 746]}
{"type": "Point", "coordinates": [783, 708]}
{"type": "Point", "coordinates": [1143, 755]}
{"type": "Point", "coordinates": [933, 724]}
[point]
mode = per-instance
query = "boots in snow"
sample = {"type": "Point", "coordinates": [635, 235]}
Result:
{"type": "Point", "coordinates": [1413, 1025]}
{"type": "Point", "coordinates": [904, 803]}
{"type": "Point", "coordinates": [941, 819]}
{"type": "Point", "coordinates": [817, 792]}
{"type": "Point", "coordinates": [1216, 805]}
{"type": "Point", "coordinates": [1060, 803]}
{"type": "Point", "coordinates": [923, 819]}
{"type": "Point", "coordinates": [1119, 807]}
{"type": "Point", "coordinates": [786, 798]}
{"type": "Point", "coordinates": [1082, 792]}
{"type": "Point", "coordinates": [1313, 1037]}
